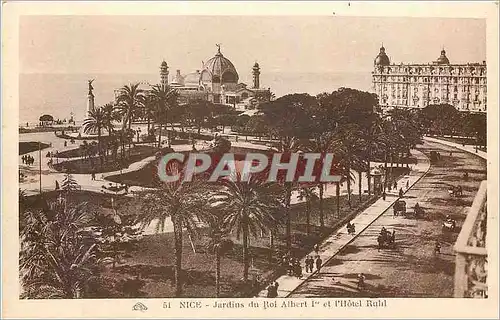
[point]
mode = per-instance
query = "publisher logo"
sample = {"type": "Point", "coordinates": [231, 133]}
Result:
{"type": "Point", "coordinates": [139, 306]}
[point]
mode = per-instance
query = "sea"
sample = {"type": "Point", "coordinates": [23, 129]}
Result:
{"type": "Point", "coordinates": [65, 95]}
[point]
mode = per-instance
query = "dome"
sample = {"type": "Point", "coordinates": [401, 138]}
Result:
{"type": "Point", "coordinates": [221, 69]}
{"type": "Point", "coordinates": [442, 58]}
{"type": "Point", "coordinates": [382, 59]}
{"type": "Point", "coordinates": [192, 79]}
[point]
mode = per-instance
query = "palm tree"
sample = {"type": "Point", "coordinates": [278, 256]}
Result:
{"type": "Point", "coordinates": [219, 242]}
{"type": "Point", "coordinates": [180, 202]}
{"type": "Point", "coordinates": [347, 147]}
{"type": "Point", "coordinates": [375, 141]}
{"type": "Point", "coordinates": [321, 143]}
{"type": "Point", "coordinates": [165, 99]}
{"type": "Point", "coordinates": [56, 259]}
{"type": "Point", "coordinates": [130, 99]}
{"type": "Point", "coordinates": [308, 195]}
{"type": "Point", "coordinates": [96, 122]}
{"type": "Point", "coordinates": [250, 207]}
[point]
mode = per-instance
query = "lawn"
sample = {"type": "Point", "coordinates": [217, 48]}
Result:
{"type": "Point", "coordinates": [137, 153]}
{"type": "Point", "coordinates": [27, 147]}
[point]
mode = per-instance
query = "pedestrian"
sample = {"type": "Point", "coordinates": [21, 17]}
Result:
{"type": "Point", "coordinates": [270, 291]}
{"type": "Point", "coordinates": [276, 285]}
{"type": "Point", "coordinates": [400, 192]}
{"type": "Point", "coordinates": [437, 247]}
{"type": "Point", "coordinates": [319, 263]}
{"type": "Point", "coordinates": [407, 184]}
{"type": "Point", "coordinates": [395, 186]}
{"type": "Point", "coordinates": [65, 143]}
{"type": "Point", "coordinates": [383, 195]}
{"type": "Point", "coordinates": [307, 263]}
{"type": "Point", "coordinates": [93, 175]}
{"type": "Point", "coordinates": [316, 248]}
{"type": "Point", "coordinates": [361, 281]}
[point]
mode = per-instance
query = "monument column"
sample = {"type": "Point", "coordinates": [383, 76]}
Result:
{"type": "Point", "coordinates": [90, 98]}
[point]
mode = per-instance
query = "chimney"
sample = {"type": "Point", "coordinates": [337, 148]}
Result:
{"type": "Point", "coordinates": [178, 72]}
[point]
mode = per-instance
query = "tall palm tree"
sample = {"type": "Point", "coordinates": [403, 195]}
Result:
{"type": "Point", "coordinates": [219, 242]}
{"type": "Point", "coordinates": [96, 122]}
{"type": "Point", "coordinates": [375, 141]}
{"type": "Point", "coordinates": [178, 201]}
{"type": "Point", "coordinates": [308, 195]}
{"type": "Point", "coordinates": [250, 207]}
{"type": "Point", "coordinates": [130, 99]}
{"type": "Point", "coordinates": [322, 143]}
{"type": "Point", "coordinates": [165, 99]}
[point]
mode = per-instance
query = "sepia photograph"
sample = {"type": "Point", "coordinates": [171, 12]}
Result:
{"type": "Point", "coordinates": [180, 157]}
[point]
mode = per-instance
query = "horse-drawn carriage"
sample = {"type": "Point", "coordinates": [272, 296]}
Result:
{"type": "Point", "coordinates": [386, 239]}
{"type": "Point", "coordinates": [399, 208]}
{"type": "Point", "coordinates": [435, 156]}
{"type": "Point", "coordinates": [455, 191]}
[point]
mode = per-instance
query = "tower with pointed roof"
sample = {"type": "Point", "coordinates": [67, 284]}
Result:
{"type": "Point", "coordinates": [164, 73]}
{"type": "Point", "coordinates": [256, 75]}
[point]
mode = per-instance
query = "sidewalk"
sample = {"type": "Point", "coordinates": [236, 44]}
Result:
{"type": "Point", "coordinates": [466, 148]}
{"type": "Point", "coordinates": [338, 240]}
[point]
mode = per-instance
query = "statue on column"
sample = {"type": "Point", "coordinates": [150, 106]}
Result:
{"type": "Point", "coordinates": [90, 86]}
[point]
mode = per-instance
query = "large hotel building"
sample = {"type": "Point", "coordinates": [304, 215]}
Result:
{"type": "Point", "coordinates": [440, 82]}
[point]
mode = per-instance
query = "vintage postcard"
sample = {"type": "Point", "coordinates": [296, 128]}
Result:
{"type": "Point", "coordinates": [250, 160]}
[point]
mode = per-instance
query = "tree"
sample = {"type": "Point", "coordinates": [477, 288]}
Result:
{"type": "Point", "coordinates": [130, 99]}
{"type": "Point", "coordinates": [165, 98]}
{"type": "Point", "coordinates": [308, 195]}
{"type": "Point", "coordinates": [198, 113]}
{"type": "Point", "coordinates": [219, 242]}
{"type": "Point", "coordinates": [288, 119]}
{"type": "Point", "coordinates": [116, 233]}
{"type": "Point", "coordinates": [57, 260]}
{"type": "Point", "coordinates": [181, 202]}
{"type": "Point", "coordinates": [69, 184]}
{"type": "Point", "coordinates": [96, 122]}
{"type": "Point", "coordinates": [249, 206]}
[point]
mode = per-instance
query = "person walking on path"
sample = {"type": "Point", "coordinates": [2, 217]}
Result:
{"type": "Point", "coordinates": [361, 281]}
{"type": "Point", "coordinates": [407, 184]}
{"type": "Point", "coordinates": [93, 175]}
{"type": "Point", "coordinates": [400, 192]}
{"type": "Point", "coordinates": [319, 263]}
{"type": "Point", "coordinates": [437, 247]}
{"type": "Point", "coordinates": [395, 186]}
{"type": "Point", "coordinates": [308, 263]}
{"type": "Point", "coordinates": [316, 248]}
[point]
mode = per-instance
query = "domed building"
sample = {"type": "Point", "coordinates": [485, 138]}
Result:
{"type": "Point", "coordinates": [382, 59]}
{"type": "Point", "coordinates": [417, 85]}
{"type": "Point", "coordinates": [217, 82]}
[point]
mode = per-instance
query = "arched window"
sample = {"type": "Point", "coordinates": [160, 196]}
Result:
{"type": "Point", "coordinates": [229, 77]}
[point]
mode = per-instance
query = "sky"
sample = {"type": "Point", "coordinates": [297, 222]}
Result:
{"type": "Point", "coordinates": [293, 44]}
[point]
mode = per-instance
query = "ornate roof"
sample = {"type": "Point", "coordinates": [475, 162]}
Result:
{"type": "Point", "coordinates": [382, 59]}
{"type": "Point", "coordinates": [218, 65]}
{"type": "Point", "coordinates": [442, 58]}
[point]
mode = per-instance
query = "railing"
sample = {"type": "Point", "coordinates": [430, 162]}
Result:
{"type": "Point", "coordinates": [471, 269]}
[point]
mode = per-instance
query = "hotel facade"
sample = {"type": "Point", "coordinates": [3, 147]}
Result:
{"type": "Point", "coordinates": [408, 85]}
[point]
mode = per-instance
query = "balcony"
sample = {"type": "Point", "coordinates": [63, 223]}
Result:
{"type": "Point", "coordinates": [471, 267]}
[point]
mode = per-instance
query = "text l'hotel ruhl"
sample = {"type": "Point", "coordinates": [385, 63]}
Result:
{"type": "Point", "coordinates": [276, 304]}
